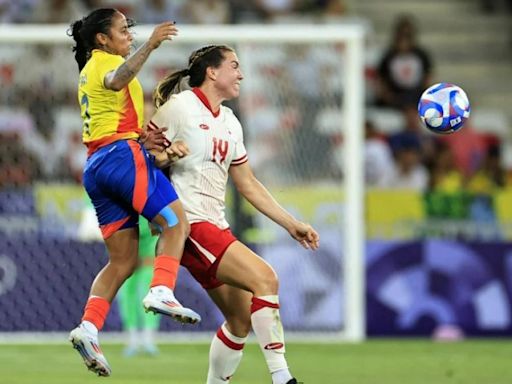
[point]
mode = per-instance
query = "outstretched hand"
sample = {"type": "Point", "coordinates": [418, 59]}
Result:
{"type": "Point", "coordinates": [305, 235]}
{"type": "Point", "coordinates": [164, 31]}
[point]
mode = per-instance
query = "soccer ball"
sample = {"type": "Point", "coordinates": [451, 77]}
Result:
{"type": "Point", "coordinates": [444, 108]}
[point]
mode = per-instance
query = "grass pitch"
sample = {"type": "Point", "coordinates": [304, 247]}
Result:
{"type": "Point", "coordinates": [372, 362]}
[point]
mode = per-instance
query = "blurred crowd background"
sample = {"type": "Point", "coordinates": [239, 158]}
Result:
{"type": "Point", "coordinates": [410, 45]}
{"type": "Point", "coordinates": [420, 186]}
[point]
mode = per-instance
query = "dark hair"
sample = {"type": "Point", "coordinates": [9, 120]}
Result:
{"type": "Point", "coordinates": [209, 56]}
{"type": "Point", "coordinates": [405, 26]}
{"type": "Point", "coordinates": [84, 32]}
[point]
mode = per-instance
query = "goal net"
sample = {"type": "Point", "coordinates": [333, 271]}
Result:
{"type": "Point", "coordinates": [301, 107]}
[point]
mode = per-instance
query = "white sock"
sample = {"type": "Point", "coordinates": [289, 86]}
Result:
{"type": "Point", "coordinates": [266, 323]}
{"type": "Point", "coordinates": [89, 327]}
{"type": "Point", "coordinates": [281, 377]}
{"type": "Point", "coordinates": [226, 352]}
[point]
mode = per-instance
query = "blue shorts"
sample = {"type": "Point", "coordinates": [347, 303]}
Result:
{"type": "Point", "coordinates": [123, 183]}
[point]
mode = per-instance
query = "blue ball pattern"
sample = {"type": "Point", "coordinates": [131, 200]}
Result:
{"type": "Point", "coordinates": [444, 108]}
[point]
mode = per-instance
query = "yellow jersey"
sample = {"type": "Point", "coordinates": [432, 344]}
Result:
{"type": "Point", "coordinates": [108, 115]}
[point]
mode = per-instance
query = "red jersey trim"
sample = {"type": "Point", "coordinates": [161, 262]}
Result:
{"type": "Point", "coordinates": [205, 101]}
{"type": "Point", "coordinates": [240, 161]}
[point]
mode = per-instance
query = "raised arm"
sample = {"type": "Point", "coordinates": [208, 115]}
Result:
{"type": "Point", "coordinates": [118, 79]}
{"type": "Point", "coordinates": [256, 193]}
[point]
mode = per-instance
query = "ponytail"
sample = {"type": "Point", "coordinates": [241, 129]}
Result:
{"type": "Point", "coordinates": [84, 32]}
{"type": "Point", "coordinates": [79, 49]}
{"type": "Point", "coordinates": [168, 86]}
{"type": "Point", "coordinates": [198, 62]}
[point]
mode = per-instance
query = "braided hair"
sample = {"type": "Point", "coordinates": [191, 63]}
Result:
{"type": "Point", "coordinates": [198, 62]}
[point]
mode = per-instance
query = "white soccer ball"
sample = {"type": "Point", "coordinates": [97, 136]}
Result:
{"type": "Point", "coordinates": [444, 108]}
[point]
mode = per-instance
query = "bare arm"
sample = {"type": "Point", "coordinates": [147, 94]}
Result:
{"type": "Point", "coordinates": [118, 79]}
{"type": "Point", "coordinates": [256, 193]}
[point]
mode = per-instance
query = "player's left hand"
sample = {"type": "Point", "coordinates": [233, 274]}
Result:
{"type": "Point", "coordinates": [305, 235]}
{"type": "Point", "coordinates": [154, 139]}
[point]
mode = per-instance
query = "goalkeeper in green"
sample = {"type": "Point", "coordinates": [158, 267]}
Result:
{"type": "Point", "coordinates": [139, 326]}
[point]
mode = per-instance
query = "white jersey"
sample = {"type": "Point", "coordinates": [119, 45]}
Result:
{"type": "Point", "coordinates": [215, 142]}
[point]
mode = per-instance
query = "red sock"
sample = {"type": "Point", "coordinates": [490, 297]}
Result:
{"type": "Point", "coordinates": [165, 271]}
{"type": "Point", "coordinates": [96, 311]}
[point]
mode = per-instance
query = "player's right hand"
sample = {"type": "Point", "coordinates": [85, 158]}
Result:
{"type": "Point", "coordinates": [305, 234]}
{"type": "Point", "coordinates": [164, 31]}
{"type": "Point", "coordinates": [177, 150]}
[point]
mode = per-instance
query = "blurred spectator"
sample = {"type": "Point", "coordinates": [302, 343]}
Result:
{"type": "Point", "coordinates": [43, 90]}
{"type": "Point", "coordinates": [378, 160]}
{"type": "Point", "coordinates": [92, 4]}
{"type": "Point", "coordinates": [158, 11]}
{"type": "Point", "coordinates": [405, 69]}
{"type": "Point", "coordinates": [16, 11]}
{"type": "Point", "coordinates": [495, 6]}
{"type": "Point", "coordinates": [57, 11]}
{"type": "Point", "coordinates": [17, 167]}
{"type": "Point", "coordinates": [413, 127]}
{"type": "Point", "coordinates": [491, 174]}
{"type": "Point", "coordinates": [333, 10]}
{"type": "Point", "coordinates": [468, 147]}
{"type": "Point", "coordinates": [74, 157]}
{"type": "Point", "coordinates": [408, 171]}
{"type": "Point", "coordinates": [446, 198]}
{"type": "Point", "coordinates": [243, 12]}
{"type": "Point", "coordinates": [272, 9]}
{"type": "Point", "coordinates": [444, 175]}
{"type": "Point", "coordinates": [127, 7]}
{"type": "Point", "coordinates": [207, 12]}
{"type": "Point", "coordinates": [482, 185]}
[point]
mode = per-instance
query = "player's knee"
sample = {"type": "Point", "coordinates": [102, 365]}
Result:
{"type": "Point", "coordinates": [180, 231]}
{"type": "Point", "coordinates": [166, 219]}
{"type": "Point", "coordinates": [185, 228]}
{"type": "Point", "coordinates": [130, 269]}
{"type": "Point", "coordinates": [125, 268]}
{"type": "Point", "coordinates": [267, 282]}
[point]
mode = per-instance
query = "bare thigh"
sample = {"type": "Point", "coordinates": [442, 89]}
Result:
{"type": "Point", "coordinates": [242, 268]}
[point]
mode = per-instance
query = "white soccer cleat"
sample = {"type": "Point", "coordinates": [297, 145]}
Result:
{"type": "Point", "coordinates": [161, 300]}
{"type": "Point", "coordinates": [87, 345]}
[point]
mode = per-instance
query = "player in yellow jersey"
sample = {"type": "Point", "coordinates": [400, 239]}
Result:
{"type": "Point", "coordinates": [120, 176]}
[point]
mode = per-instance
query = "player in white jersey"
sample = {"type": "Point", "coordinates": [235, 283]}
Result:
{"type": "Point", "coordinates": [207, 139]}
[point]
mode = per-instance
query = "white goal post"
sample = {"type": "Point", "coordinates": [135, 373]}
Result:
{"type": "Point", "coordinates": [351, 127]}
